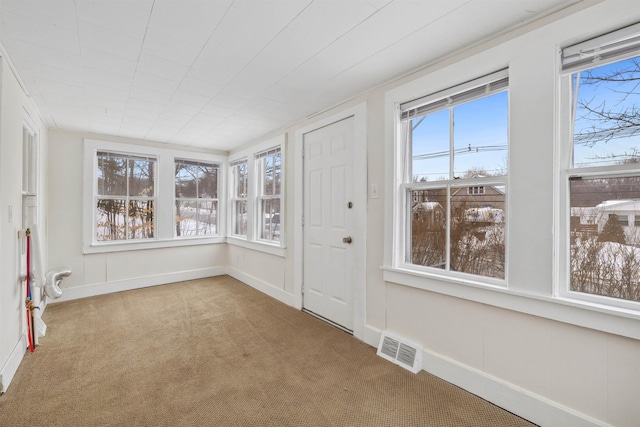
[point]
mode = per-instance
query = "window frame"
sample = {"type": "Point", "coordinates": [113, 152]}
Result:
{"type": "Point", "coordinates": [252, 240]}
{"type": "Point", "coordinates": [198, 199]}
{"type": "Point", "coordinates": [127, 197]}
{"type": "Point", "coordinates": [234, 199]}
{"type": "Point", "coordinates": [404, 184]}
{"type": "Point", "coordinates": [261, 197]}
{"type": "Point", "coordinates": [602, 50]}
{"type": "Point", "coordinates": [164, 210]}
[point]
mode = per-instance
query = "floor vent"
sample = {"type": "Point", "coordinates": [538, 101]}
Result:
{"type": "Point", "coordinates": [401, 352]}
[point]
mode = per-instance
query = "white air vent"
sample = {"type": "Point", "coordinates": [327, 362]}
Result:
{"type": "Point", "coordinates": [401, 352]}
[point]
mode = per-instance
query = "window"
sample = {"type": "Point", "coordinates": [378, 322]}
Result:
{"type": "Point", "coordinates": [256, 197]}
{"type": "Point", "coordinates": [141, 197]}
{"type": "Point", "coordinates": [125, 197]}
{"type": "Point", "coordinates": [196, 198]}
{"type": "Point", "coordinates": [454, 189]}
{"type": "Point", "coordinates": [29, 160]}
{"type": "Point", "coordinates": [239, 191]}
{"type": "Point", "coordinates": [602, 175]}
{"type": "Point", "coordinates": [475, 190]}
{"type": "Point", "coordinates": [269, 174]}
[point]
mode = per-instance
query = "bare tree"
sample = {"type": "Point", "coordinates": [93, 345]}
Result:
{"type": "Point", "coordinates": [611, 120]}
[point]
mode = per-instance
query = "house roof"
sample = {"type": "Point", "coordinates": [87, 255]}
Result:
{"type": "Point", "coordinates": [629, 205]}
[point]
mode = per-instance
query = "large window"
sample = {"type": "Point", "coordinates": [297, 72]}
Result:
{"type": "Point", "coordinates": [125, 197]}
{"type": "Point", "coordinates": [601, 79]}
{"type": "Point", "coordinates": [269, 174]}
{"type": "Point", "coordinates": [141, 197]}
{"type": "Point", "coordinates": [196, 198]}
{"type": "Point", "coordinates": [454, 178]}
{"type": "Point", "coordinates": [239, 191]}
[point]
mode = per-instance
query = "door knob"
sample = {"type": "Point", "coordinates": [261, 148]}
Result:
{"type": "Point", "coordinates": [347, 240]}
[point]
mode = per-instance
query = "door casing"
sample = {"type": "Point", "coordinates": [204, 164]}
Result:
{"type": "Point", "coordinates": [359, 228]}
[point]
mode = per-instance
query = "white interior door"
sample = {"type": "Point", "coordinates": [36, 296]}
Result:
{"type": "Point", "coordinates": [328, 251]}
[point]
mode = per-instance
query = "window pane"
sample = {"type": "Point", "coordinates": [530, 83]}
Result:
{"type": "Point", "coordinates": [277, 172]}
{"type": "Point", "coordinates": [186, 179]}
{"type": "Point", "coordinates": [607, 125]}
{"type": "Point", "coordinates": [110, 220]}
{"type": "Point", "coordinates": [140, 225]}
{"type": "Point", "coordinates": [240, 180]}
{"type": "Point", "coordinates": [605, 242]}
{"type": "Point", "coordinates": [429, 145]}
{"type": "Point", "coordinates": [268, 174]}
{"type": "Point", "coordinates": [270, 224]}
{"type": "Point", "coordinates": [186, 218]}
{"type": "Point", "coordinates": [141, 177]}
{"type": "Point", "coordinates": [480, 137]}
{"type": "Point", "coordinates": [207, 217]}
{"type": "Point", "coordinates": [112, 175]}
{"type": "Point", "coordinates": [477, 231]}
{"type": "Point", "coordinates": [240, 217]}
{"type": "Point", "coordinates": [208, 182]}
{"type": "Point", "coordinates": [428, 227]}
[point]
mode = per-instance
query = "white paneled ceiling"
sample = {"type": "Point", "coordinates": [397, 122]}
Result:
{"type": "Point", "coordinates": [221, 73]}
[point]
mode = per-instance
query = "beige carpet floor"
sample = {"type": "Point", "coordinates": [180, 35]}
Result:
{"type": "Point", "coordinates": [215, 352]}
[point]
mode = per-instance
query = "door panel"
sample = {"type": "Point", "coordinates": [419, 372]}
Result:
{"type": "Point", "coordinates": [328, 188]}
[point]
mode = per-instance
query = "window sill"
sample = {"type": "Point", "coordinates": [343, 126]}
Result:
{"type": "Point", "coordinates": [152, 244]}
{"type": "Point", "coordinates": [258, 246]}
{"type": "Point", "coordinates": [575, 312]}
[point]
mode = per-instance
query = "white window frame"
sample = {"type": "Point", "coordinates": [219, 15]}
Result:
{"type": "Point", "coordinates": [127, 197]}
{"type": "Point", "coordinates": [261, 197]}
{"type": "Point", "coordinates": [606, 49]}
{"type": "Point", "coordinates": [252, 240]}
{"type": "Point", "coordinates": [164, 208]}
{"type": "Point", "coordinates": [30, 158]}
{"type": "Point", "coordinates": [405, 185]}
{"type": "Point", "coordinates": [198, 199]}
{"type": "Point", "coordinates": [236, 198]}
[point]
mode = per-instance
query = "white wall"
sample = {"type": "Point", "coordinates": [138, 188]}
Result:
{"type": "Point", "coordinates": [94, 274]}
{"type": "Point", "coordinates": [551, 371]}
{"type": "Point", "coordinates": [14, 105]}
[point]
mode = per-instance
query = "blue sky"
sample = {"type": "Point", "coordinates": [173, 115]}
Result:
{"type": "Point", "coordinates": [616, 96]}
{"type": "Point", "coordinates": [480, 131]}
{"type": "Point", "coordinates": [480, 139]}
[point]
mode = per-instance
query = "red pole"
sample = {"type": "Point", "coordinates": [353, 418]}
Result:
{"type": "Point", "coordinates": [28, 301]}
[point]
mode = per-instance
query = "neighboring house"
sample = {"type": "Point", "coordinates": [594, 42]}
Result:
{"type": "Point", "coordinates": [584, 219]}
{"type": "Point", "coordinates": [481, 196]}
{"type": "Point", "coordinates": [482, 204]}
{"type": "Point", "coordinates": [431, 214]}
{"type": "Point", "coordinates": [627, 211]}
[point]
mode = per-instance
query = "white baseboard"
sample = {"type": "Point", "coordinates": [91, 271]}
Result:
{"type": "Point", "coordinates": [136, 283]}
{"type": "Point", "coordinates": [528, 405]}
{"type": "Point", "coordinates": [372, 335]}
{"type": "Point", "coordinates": [262, 286]}
{"type": "Point", "coordinates": [11, 366]}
